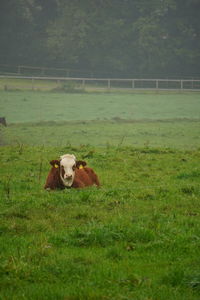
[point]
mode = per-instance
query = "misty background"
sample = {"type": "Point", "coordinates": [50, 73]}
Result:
{"type": "Point", "coordinates": [101, 38]}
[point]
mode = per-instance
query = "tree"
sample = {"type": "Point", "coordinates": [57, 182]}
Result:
{"type": "Point", "coordinates": [23, 31]}
{"type": "Point", "coordinates": [122, 38]}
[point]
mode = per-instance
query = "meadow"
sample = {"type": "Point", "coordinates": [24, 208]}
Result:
{"type": "Point", "coordinates": [154, 119]}
{"type": "Point", "coordinates": [136, 237]}
{"type": "Point", "coordinates": [29, 106]}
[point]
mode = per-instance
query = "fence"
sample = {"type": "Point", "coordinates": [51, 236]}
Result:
{"type": "Point", "coordinates": [69, 84]}
{"type": "Point", "coordinates": [21, 70]}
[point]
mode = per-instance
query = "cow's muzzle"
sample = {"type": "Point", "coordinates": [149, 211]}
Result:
{"type": "Point", "coordinates": [68, 177]}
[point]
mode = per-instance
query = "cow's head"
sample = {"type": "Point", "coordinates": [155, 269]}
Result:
{"type": "Point", "coordinates": [67, 166]}
{"type": "Point", "coordinates": [67, 169]}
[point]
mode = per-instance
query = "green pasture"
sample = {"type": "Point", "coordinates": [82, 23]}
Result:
{"type": "Point", "coordinates": [21, 107]}
{"type": "Point", "coordinates": [101, 119]}
{"type": "Point", "coordinates": [173, 134]}
{"type": "Point", "coordinates": [137, 237]}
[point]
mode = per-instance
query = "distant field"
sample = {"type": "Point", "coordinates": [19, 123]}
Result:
{"type": "Point", "coordinates": [157, 120]}
{"type": "Point", "coordinates": [20, 107]}
{"type": "Point", "coordinates": [25, 84]}
{"type": "Point", "coordinates": [179, 135]}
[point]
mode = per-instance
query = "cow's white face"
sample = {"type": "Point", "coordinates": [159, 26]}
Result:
{"type": "Point", "coordinates": [67, 169]}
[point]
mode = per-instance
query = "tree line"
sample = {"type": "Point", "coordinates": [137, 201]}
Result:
{"type": "Point", "coordinates": [126, 38]}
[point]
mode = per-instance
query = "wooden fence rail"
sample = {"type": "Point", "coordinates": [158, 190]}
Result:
{"type": "Point", "coordinates": [49, 83]}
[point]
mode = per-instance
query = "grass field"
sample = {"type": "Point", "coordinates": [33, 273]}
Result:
{"type": "Point", "coordinates": [137, 237]}
{"type": "Point", "coordinates": [20, 107]}
{"type": "Point", "coordinates": [173, 134]}
{"type": "Point", "coordinates": [157, 120]}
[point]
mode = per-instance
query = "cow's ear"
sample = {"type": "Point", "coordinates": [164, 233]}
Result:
{"type": "Point", "coordinates": [55, 163]}
{"type": "Point", "coordinates": [80, 164]}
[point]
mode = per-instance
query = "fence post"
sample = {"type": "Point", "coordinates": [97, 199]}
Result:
{"type": "Point", "coordinates": [133, 84]}
{"type": "Point", "coordinates": [108, 83]}
{"type": "Point", "coordinates": [181, 84]}
{"type": "Point", "coordinates": [32, 83]}
{"type": "Point", "coordinates": [157, 84]}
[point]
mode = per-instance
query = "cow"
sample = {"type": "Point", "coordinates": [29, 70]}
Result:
{"type": "Point", "coordinates": [3, 121]}
{"type": "Point", "coordinates": [70, 173]}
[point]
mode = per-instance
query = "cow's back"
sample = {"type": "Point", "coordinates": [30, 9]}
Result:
{"type": "Point", "coordinates": [85, 177]}
{"type": "Point", "coordinates": [93, 176]}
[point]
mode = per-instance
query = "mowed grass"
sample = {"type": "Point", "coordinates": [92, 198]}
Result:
{"type": "Point", "coordinates": [21, 107]}
{"type": "Point", "coordinates": [153, 119]}
{"type": "Point", "coordinates": [137, 237]}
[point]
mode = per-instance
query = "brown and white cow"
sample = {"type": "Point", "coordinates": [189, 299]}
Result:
{"type": "Point", "coordinates": [70, 173]}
